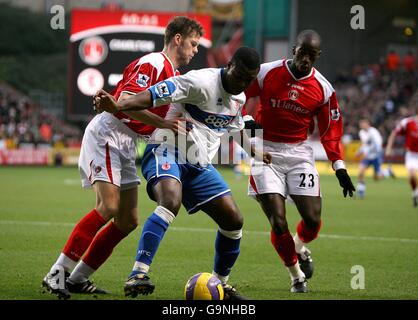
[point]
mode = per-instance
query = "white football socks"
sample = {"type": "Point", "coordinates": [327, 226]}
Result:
{"type": "Point", "coordinates": [140, 267]}
{"type": "Point", "coordinates": [299, 244]}
{"type": "Point", "coordinates": [223, 279]}
{"type": "Point", "coordinates": [81, 273]}
{"type": "Point", "coordinates": [296, 273]}
{"type": "Point", "coordinates": [65, 262]}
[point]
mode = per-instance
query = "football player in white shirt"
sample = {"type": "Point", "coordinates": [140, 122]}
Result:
{"type": "Point", "coordinates": [371, 151]}
{"type": "Point", "coordinates": [211, 100]}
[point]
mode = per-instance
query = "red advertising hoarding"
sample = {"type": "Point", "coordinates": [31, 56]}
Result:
{"type": "Point", "coordinates": [24, 157]}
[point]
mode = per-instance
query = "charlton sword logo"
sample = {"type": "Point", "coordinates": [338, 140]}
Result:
{"type": "Point", "coordinates": [293, 95]}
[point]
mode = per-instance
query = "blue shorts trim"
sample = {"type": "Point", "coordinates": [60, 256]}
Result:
{"type": "Point", "coordinates": [199, 205]}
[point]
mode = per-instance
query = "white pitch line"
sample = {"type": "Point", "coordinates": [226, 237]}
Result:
{"type": "Point", "coordinates": [38, 223]}
{"type": "Point", "coordinates": [72, 182]}
{"type": "Point", "coordinates": [250, 232]}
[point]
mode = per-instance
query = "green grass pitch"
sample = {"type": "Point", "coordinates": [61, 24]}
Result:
{"type": "Point", "coordinates": [39, 207]}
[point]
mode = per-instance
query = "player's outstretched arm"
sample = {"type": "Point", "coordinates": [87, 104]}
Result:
{"type": "Point", "coordinates": [104, 101]}
{"type": "Point", "coordinates": [178, 125]}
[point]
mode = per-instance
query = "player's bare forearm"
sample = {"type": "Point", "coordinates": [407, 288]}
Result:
{"type": "Point", "coordinates": [144, 116]}
{"type": "Point", "coordinates": [104, 101]}
{"type": "Point", "coordinates": [389, 145]}
{"type": "Point", "coordinates": [137, 102]}
{"type": "Point", "coordinates": [147, 117]}
{"type": "Point", "coordinates": [177, 125]}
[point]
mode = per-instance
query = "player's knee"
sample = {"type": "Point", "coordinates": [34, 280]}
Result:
{"type": "Point", "coordinates": [127, 221]}
{"type": "Point", "coordinates": [171, 203]}
{"type": "Point", "coordinates": [131, 224]}
{"type": "Point", "coordinates": [233, 220]}
{"type": "Point", "coordinates": [313, 221]}
{"type": "Point", "coordinates": [169, 198]}
{"type": "Point", "coordinates": [126, 227]}
{"type": "Point", "coordinates": [108, 209]}
{"type": "Point", "coordinates": [238, 221]}
{"type": "Point", "coordinates": [279, 225]}
{"type": "Point", "coordinates": [279, 229]}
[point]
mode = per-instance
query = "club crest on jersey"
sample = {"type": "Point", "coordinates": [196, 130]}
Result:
{"type": "Point", "coordinates": [293, 95]}
{"type": "Point", "coordinates": [335, 114]}
{"type": "Point", "coordinates": [166, 166]}
{"type": "Point", "coordinates": [142, 80]}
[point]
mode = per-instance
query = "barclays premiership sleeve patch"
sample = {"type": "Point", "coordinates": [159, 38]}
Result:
{"type": "Point", "coordinates": [162, 89]}
{"type": "Point", "coordinates": [142, 80]}
{"type": "Point", "coordinates": [335, 114]}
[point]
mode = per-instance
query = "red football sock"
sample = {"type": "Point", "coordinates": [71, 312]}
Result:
{"type": "Point", "coordinates": [285, 247]}
{"type": "Point", "coordinates": [102, 246]}
{"type": "Point", "coordinates": [305, 234]}
{"type": "Point", "coordinates": [83, 234]}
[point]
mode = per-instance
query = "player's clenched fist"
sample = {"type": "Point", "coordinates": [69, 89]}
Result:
{"type": "Point", "coordinates": [103, 101]}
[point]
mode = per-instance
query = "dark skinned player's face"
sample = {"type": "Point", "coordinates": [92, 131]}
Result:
{"type": "Point", "coordinates": [239, 77]}
{"type": "Point", "coordinates": [305, 56]}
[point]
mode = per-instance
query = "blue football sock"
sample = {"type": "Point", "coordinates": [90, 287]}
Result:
{"type": "Point", "coordinates": [226, 253]}
{"type": "Point", "coordinates": [151, 236]}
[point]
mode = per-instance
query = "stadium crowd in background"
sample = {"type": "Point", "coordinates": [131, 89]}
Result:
{"type": "Point", "coordinates": [26, 125]}
{"type": "Point", "coordinates": [382, 92]}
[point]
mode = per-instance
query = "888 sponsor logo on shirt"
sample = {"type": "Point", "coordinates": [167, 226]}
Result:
{"type": "Point", "coordinates": [217, 122]}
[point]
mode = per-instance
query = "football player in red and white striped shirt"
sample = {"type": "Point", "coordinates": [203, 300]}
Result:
{"type": "Point", "coordinates": [107, 163]}
{"type": "Point", "coordinates": [408, 127]}
{"type": "Point", "coordinates": [292, 93]}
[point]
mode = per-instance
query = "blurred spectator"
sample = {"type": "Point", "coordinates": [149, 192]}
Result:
{"type": "Point", "coordinates": [392, 61]}
{"type": "Point", "coordinates": [25, 125]}
{"type": "Point", "coordinates": [376, 92]}
{"type": "Point", "coordinates": [45, 131]}
{"type": "Point", "coordinates": [2, 141]}
{"type": "Point", "coordinates": [409, 62]}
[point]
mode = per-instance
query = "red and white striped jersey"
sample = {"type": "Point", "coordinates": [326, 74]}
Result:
{"type": "Point", "coordinates": [409, 128]}
{"type": "Point", "coordinates": [138, 76]}
{"type": "Point", "coordinates": [288, 107]}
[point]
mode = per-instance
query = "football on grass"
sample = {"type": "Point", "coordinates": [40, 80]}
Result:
{"type": "Point", "coordinates": [204, 286]}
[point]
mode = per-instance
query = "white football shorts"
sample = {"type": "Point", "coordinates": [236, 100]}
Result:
{"type": "Point", "coordinates": [108, 151]}
{"type": "Point", "coordinates": [411, 160]}
{"type": "Point", "coordinates": [291, 172]}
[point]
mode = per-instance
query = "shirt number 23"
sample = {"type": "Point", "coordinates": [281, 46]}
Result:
{"type": "Point", "coordinates": [307, 180]}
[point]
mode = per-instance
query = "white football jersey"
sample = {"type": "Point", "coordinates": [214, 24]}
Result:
{"type": "Point", "coordinates": [372, 142]}
{"type": "Point", "coordinates": [199, 97]}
